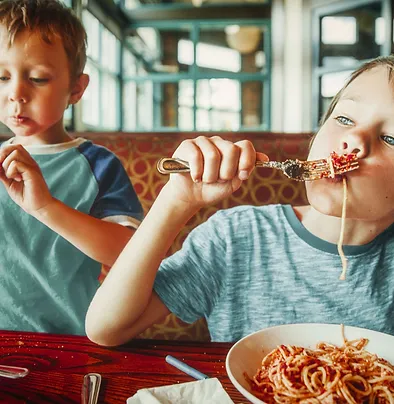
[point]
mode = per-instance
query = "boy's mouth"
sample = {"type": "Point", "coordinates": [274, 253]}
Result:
{"type": "Point", "coordinates": [336, 179]}
{"type": "Point", "coordinates": [19, 118]}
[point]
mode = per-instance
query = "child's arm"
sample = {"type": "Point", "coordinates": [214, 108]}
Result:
{"type": "Point", "coordinates": [23, 180]}
{"type": "Point", "coordinates": [125, 304]}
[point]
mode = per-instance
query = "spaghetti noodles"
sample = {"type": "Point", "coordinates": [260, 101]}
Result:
{"type": "Point", "coordinates": [335, 161]}
{"type": "Point", "coordinates": [328, 375]}
{"type": "Point", "coordinates": [342, 232]}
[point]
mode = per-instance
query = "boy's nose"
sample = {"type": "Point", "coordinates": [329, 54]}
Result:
{"type": "Point", "coordinates": [355, 142]}
{"type": "Point", "coordinates": [17, 93]}
{"type": "Point", "coordinates": [17, 98]}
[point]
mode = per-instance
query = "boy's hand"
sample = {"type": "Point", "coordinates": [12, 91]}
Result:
{"type": "Point", "coordinates": [23, 179]}
{"type": "Point", "coordinates": [217, 169]}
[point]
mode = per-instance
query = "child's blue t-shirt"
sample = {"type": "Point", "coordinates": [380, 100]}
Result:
{"type": "Point", "coordinates": [46, 284]}
{"type": "Point", "coordinates": [249, 268]}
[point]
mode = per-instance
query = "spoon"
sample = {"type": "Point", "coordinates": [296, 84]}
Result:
{"type": "Point", "coordinates": [13, 372]}
{"type": "Point", "coordinates": [91, 388]}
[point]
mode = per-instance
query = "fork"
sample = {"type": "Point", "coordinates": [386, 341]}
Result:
{"type": "Point", "coordinates": [334, 165]}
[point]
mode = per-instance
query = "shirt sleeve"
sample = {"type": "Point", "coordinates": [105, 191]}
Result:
{"type": "Point", "coordinates": [191, 281]}
{"type": "Point", "coordinates": [116, 200]}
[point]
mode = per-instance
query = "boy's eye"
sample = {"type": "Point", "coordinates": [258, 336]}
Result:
{"type": "Point", "coordinates": [388, 139]}
{"type": "Point", "coordinates": [38, 80]}
{"type": "Point", "coordinates": [343, 120]}
{"type": "Point", "coordinates": [3, 78]}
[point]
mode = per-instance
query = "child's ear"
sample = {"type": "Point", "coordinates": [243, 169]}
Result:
{"type": "Point", "coordinates": [78, 88]}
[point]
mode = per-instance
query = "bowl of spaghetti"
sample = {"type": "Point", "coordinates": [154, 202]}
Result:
{"type": "Point", "coordinates": [312, 364]}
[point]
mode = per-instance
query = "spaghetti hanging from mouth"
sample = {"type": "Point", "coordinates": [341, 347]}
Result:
{"type": "Point", "coordinates": [342, 232]}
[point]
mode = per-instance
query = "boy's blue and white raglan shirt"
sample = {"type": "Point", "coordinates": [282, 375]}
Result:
{"type": "Point", "coordinates": [47, 284]}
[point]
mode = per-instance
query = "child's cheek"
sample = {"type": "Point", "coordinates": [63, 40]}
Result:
{"type": "Point", "coordinates": [322, 144]}
{"type": "Point", "coordinates": [316, 150]}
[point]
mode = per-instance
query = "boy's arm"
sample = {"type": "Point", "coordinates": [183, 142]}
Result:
{"type": "Point", "coordinates": [125, 304]}
{"type": "Point", "coordinates": [100, 240]}
{"type": "Point", "coordinates": [26, 186]}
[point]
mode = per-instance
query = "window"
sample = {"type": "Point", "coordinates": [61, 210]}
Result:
{"type": "Point", "coordinates": [129, 101]}
{"type": "Point", "coordinates": [380, 31]}
{"type": "Point", "coordinates": [201, 76]}
{"type": "Point", "coordinates": [101, 103]}
{"type": "Point", "coordinates": [349, 33]}
{"type": "Point", "coordinates": [339, 30]}
{"type": "Point", "coordinates": [91, 98]}
{"type": "Point", "coordinates": [218, 104]}
{"type": "Point", "coordinates": [209, 56]}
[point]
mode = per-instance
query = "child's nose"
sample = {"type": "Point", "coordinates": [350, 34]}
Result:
{"type": "Point", "coordinates": [355, 142]}
{"type": "Point", "coordinates": [17, 93]}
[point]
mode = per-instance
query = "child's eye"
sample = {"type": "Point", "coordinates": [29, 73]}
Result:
{"type": "Point", "coordinates": [388, 139]}
{"type": "Point", "coordinates": [343, 120]}
{"type": "Point", "coordinates": [2, 78]}
{"type": "Point", "coordinates": [38, 80]}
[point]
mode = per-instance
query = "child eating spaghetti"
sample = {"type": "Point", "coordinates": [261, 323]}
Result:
{"type": "Point", "coordinates": [247, 267]}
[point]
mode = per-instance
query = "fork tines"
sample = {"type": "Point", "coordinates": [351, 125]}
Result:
{"type": "Point", "coordinates": [346, 168]}
{"type": "Point", "coordinates": [334, 165]}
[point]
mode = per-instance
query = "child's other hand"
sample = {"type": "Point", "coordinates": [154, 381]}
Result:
{"type": "Point", "coordinates": [217, 169]}
{"type": "Point", "coordinates": [23, 179]}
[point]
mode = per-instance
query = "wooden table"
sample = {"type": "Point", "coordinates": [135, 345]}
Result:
{"type": "Point", "coordinates": [58, 363]}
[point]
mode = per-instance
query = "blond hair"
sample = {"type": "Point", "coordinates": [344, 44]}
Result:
{"type": "Point", "coordinates": [385, 61]}
{"type": "Point", "coordinates": [51, 19]}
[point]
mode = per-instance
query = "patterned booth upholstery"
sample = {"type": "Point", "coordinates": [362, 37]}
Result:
{"type": "Point", "coordinates": [139, 154]}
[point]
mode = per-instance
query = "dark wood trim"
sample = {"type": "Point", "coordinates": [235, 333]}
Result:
{"type": "Point", "coordinates": [214, 12]}
{"type": "Point", "coordinates": [104, 9]}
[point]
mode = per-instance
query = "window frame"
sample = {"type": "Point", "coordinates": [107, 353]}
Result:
{"type": "Point", "coordinates": [194, 74]}
{"type": "Point", "coordinates": [102, 72]}
{"type": "Point", "coordinates": [318, 71]}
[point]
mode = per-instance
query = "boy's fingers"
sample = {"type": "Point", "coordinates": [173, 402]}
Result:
{"type": "Point", "coordinates": [190, 152]}
{"type": "Point", "coordinates": [247, 159]}
{"type": "Point", "coordinates": [15, 170]}
{"type": "Point", "coordinates": [6, 181]}
{"type": "Point", "coordinates": [229, 158]}
{"type": "Point", "coordinates": [262, 157]}
{"type": "Point", "coordinates": [16, 153]}
{"type": "Point", "coordinates": [212, 159]}
{"type": "Point", "coordinates": [215, 159]}
{"type": "Point", "coordinates": [8, 159]}
{"type": "Point", "coordinates": [5, 151]}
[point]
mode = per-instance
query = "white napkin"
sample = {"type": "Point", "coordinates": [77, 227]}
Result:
{"type": "Point", "coordinates": [207, 391]}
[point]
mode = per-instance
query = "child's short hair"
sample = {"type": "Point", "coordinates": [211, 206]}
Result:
{"type": "Point", "coordinates": [50, 19]}
{"type": "Point", "coordinates": [387, 61]}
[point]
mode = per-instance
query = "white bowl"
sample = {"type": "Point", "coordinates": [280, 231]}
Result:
{"type": "Point", "coordinates": [247, 353]}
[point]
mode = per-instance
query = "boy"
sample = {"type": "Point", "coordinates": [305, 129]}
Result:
{"type": "Point", "coordinates": [66, 204]}
{"type": "Point", "coordinates": [249, 268]}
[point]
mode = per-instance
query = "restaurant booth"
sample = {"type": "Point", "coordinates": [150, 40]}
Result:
{"type": "Point", "coordinates": [140, 152]}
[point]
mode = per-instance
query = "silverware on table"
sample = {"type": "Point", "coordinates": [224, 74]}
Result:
{"type": "Point", "coordinates": [13, 372]}
{"type": "Point", "coordinates": [91, 388]}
